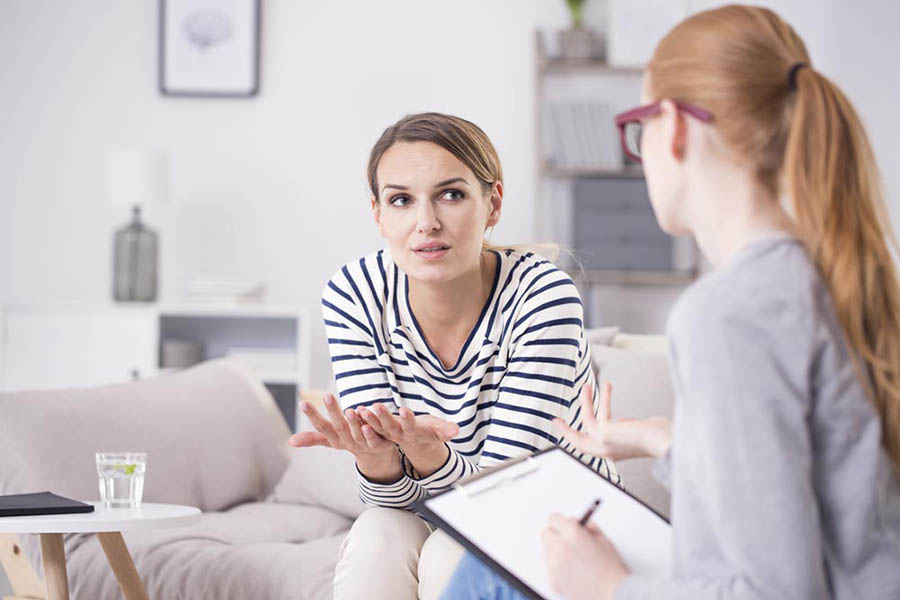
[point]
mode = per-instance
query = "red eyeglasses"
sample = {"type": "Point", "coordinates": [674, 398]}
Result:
{"type": "Point", "coordinates": [631, 125]}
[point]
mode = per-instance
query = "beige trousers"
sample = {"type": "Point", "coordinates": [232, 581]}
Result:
{"type": "Point", "coordinates": [392, 554]}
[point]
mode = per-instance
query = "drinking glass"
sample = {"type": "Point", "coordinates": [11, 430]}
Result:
{"type": "Point", "coordinates": [121, 476]}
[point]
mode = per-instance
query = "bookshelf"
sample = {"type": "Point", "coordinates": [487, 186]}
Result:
{"type": "Point", "coordinates": [593, 202]}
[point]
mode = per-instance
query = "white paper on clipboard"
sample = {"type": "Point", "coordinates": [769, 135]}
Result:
{"type": "Point", "coordinates": [503, 513]}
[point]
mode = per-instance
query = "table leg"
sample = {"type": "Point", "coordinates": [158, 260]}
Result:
{"type": "Point", "coordinates": [53, 555]}
{"type": "Point", "coordinates": [120, 560]}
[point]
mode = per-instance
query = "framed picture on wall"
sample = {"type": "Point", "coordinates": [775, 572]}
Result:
{"type": "Point", "coordinates": [209, 48]}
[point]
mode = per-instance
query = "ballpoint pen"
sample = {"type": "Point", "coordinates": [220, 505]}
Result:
{"type": "Point", "coordinates": [589, 512]}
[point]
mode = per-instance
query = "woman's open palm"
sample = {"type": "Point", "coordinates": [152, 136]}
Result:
{"type": "Point", "coordinates": [371, 431]}
{"type": "Point", "coordinates": [341, 430]}
{"type": "Point", "coordinates": [408, 430]}
{"type": "Point", "coordinates": [617, 439]}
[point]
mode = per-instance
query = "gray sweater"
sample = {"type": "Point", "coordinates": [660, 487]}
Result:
{"type": "Point", "coordinates": [781, 488]}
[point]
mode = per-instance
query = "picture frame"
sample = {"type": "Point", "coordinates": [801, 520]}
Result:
{"type": "Point", "coordinates": [209, 48]}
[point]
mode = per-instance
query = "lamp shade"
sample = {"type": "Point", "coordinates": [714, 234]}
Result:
{"type": "Point", "coordinates": [137, 178]}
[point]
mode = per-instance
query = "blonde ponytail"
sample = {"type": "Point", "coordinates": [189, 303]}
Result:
{"type": "Point", "coordinates": [830, 172]}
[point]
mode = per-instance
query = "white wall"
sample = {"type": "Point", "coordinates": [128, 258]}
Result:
{"type": "Point", "coordinates": [274, 187]}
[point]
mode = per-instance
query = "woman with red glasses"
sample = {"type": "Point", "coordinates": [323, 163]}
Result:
{"type": "Point", "coordinates": [784, 453]}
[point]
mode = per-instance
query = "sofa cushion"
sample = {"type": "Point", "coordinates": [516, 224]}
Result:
{"type": "Point", "coordinates": [256, 550]}
{"type": "Point", "coordinates": [321, 476]}
{"type": "Point", "coordinates": [213, 435]}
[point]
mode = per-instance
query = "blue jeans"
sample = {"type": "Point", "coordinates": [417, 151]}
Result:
{"type": "Point", "coordinates": [472, 580]}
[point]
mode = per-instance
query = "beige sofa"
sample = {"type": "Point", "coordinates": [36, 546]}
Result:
{"type": "Point", "coordinates": [273, 517]}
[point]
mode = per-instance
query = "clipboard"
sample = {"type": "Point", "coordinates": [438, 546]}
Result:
{"type": "Point", "coordinates": [498, 515]}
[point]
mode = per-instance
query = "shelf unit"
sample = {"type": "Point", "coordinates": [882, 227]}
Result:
{"type": "Point", "coordinates": [556, 65]}
{"type": "Point", "coordinates": [267, 329]}
{"type": "Point", "coordinates": [548, 66]}
{"type": "Point", "coordinates": [556, 211]}
{"type": "Point", "coordinates": [634, 278]}
{"type": "Point", "coordinates": [58, 347]}
{"type": "Point", "coordinates": [568, 173]}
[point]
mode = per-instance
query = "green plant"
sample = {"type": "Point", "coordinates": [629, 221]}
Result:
{"type": "Point", "coordinates": [576, 8]}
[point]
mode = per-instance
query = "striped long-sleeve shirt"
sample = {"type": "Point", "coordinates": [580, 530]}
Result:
{"type": "Point", "coordinates": [523, 364]}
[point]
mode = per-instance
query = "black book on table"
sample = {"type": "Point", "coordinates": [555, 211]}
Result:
{"type": "Point", "coordinates": [43, 503]}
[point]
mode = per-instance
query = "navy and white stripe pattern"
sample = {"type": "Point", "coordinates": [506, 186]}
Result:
{"type": "Point", "coordinates": [523, 365]}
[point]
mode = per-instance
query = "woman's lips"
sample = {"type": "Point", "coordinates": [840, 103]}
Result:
{"type": "Point", "coordinates": [432, 252]}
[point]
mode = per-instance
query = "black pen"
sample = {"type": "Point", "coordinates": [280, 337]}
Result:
{"type": "Point", "coordinates": [589, 512]}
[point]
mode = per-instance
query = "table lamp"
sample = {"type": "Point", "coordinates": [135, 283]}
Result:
{"type": "Point", "coordinates": [136, 179]}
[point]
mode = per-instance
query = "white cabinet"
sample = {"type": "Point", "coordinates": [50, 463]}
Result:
{"type": "Point", "coordinates": [54, 348]}
{"type": "Point", "coordinates": [69, 347]}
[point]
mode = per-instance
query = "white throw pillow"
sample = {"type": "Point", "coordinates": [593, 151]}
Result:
{"type": "Point", "coordinates": [601, 336]}
{"type": "Point", "coordinates": [320, 476]}
{"type": "Point", "coordinates": [638, 369]}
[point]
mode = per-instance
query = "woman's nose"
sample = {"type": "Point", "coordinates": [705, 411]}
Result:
{"type": "Point", "coordinates": [426, 218]}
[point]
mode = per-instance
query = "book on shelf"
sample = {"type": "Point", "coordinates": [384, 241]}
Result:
{"type": "Point", "coordinates": [588, 146]}
{"type": "Point", "coordinates": [552, 142]}
{"type": "Point", "coordinates": [581, 136]}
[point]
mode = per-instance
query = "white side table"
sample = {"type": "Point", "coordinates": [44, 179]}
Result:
{"type": "Point", "coordinates": [107, 523]}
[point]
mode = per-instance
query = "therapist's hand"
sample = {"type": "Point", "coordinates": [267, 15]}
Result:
{"type": "Point", "coordinates": [617, 439]}
{"type": "Point", "coordinates": [422, 438]}
{"type": "Point", "coordinates": [581, 562]}
{"type": "Point", "coordinates": [376, 457]}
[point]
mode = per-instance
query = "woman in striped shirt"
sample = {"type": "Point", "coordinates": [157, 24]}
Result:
{"type": "Point", "coordinates": [449, 355]}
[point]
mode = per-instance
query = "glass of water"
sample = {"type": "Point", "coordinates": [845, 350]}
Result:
{"type": "Point", "coordinates": [121, 477]}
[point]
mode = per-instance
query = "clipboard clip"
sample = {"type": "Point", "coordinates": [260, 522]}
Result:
{"type": "Point", "coordinates": [468, 490]}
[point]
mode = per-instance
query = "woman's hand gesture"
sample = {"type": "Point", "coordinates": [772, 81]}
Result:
{"type": "Point", "coordinates": [376, 456]}
{"type": "Point", "coordinates": [411, 432]}
{"type": "Point", "coordinates": [421, 437]}
{"type": "Point", "coordinates": [615, 439]}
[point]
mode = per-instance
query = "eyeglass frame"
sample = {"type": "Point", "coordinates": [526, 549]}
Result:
{"type": "Point", "coordinates": [635, 115]}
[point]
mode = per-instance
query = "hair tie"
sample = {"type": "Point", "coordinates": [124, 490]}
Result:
{"type": "Point", "coordinates": [792, 76]}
